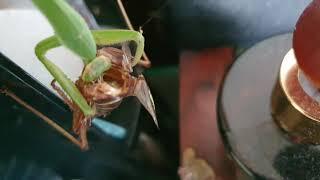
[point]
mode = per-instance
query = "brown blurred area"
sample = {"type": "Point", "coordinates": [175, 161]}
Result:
{"type": "Point", "coordinates": [201, 74]}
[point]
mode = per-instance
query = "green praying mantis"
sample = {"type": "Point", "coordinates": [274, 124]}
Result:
{"type": "Point", "coordinates": [106, 77]}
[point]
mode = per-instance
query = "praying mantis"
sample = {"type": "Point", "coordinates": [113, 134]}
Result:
{"type": "Point", "coordinates": [107, 74]}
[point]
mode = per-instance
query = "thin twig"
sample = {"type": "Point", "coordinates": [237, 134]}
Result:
{"type": "Point", "coordinates": [124, 14]}
{"type": "Point", "coordinates": [145, 62]}
{"type": "Point", "coordinates": [42, 116]}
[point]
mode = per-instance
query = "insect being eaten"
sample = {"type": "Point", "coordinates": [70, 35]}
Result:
{"type": "Point", "coordinates": [107, 76]}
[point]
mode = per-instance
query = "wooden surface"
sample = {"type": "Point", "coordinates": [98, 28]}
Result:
{"type": "Point", "coordinates": [201, 74]}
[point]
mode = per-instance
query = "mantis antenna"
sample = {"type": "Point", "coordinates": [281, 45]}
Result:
{"type": "Point", "coordinates": [145, 62]}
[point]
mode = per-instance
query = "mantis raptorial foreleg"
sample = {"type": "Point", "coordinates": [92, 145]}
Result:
{"type": "Point", "coordinates": [102, 37]}
{"type": "Point", "coordinates": [62, 94]}
{"type": "Point", "coordinates": [145, 62]}
{"type": "Point", "coordinates": [110, 37]}
{"type": "Point", "coordinates": [67, 85]}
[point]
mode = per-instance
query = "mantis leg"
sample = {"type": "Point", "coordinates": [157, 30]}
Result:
{"type": "Point", "coordinates": [101, 64]}
{"type": "Point", "coordinates": [67, 85]}
{"type": "Point", "coordinates": [78, 127]}
{"type": "Point", "coordinates": [145, 61]}
{"type": "Point", "coordinates": [110, 37]}
{"type": "Point", "coordinates": [83, 137]}
{"type": "Point", "coordinates": [62, 94]}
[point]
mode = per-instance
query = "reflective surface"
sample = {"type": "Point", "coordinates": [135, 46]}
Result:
{"type": "Point", "coordinates": [254, 140]}
{"type": "Point", "coordinates": [294, 103]}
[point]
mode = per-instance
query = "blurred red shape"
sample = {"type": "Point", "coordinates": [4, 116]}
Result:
{"type": "Point", "coordinates": [306, 42]}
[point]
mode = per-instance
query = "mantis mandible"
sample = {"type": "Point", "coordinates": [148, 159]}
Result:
{"type": "Point", "coordinates": [106, 78]}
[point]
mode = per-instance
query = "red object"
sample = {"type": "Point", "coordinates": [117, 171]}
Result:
{"type": "Point", "coordinates": [201, 75]}
{"type": "Point", "coordinates": [306, 42]}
